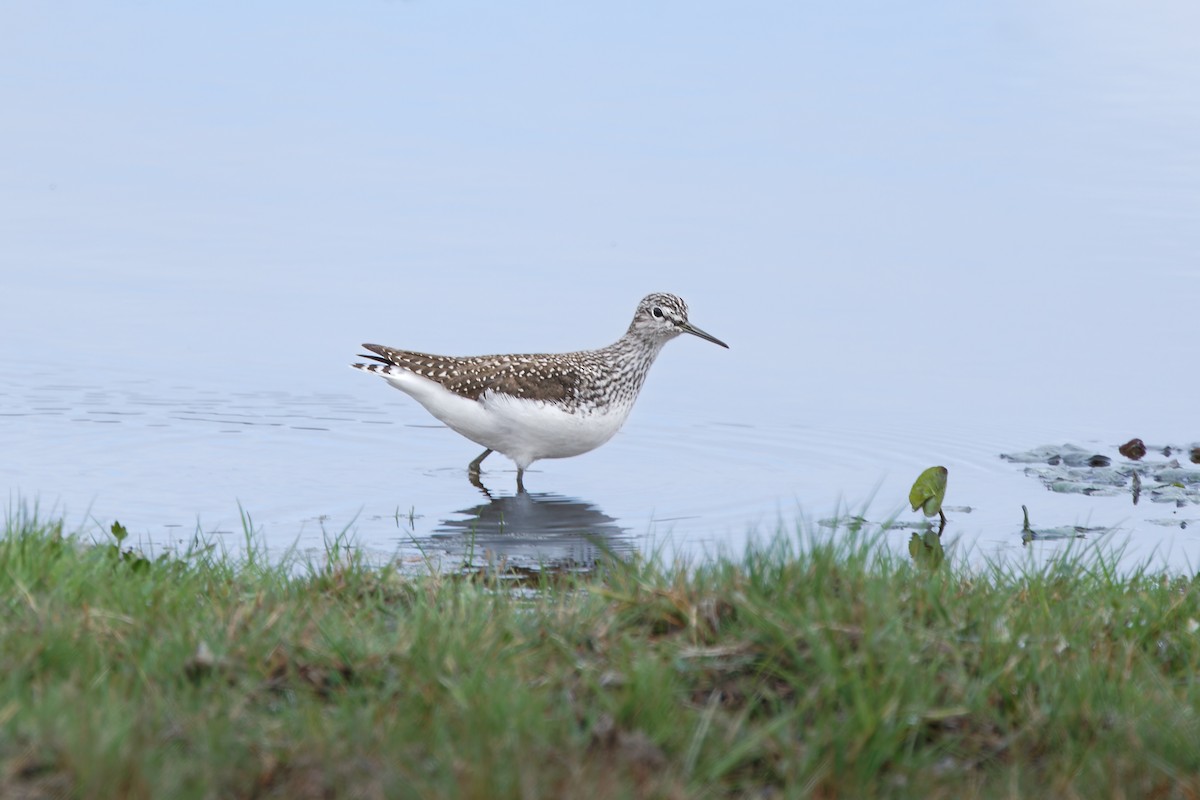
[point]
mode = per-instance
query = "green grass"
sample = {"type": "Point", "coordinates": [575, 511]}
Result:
{"type": "Point", "coordinates": [800, 669]}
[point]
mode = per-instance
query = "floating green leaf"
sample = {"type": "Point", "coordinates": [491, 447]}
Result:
{"type": "Point", "coordinates": [929, 490]}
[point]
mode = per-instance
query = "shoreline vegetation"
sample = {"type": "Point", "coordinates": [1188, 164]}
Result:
{"type": "Point", "coordinates": [809, 666]}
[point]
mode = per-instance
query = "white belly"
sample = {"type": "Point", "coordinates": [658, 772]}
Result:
{"type": "Point", "coordinates": [524, 430]}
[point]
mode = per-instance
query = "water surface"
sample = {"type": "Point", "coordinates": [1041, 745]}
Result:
{"type": "Point", "coordinates": [930, 236]}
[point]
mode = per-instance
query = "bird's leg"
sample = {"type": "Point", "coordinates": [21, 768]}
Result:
{"type": "Point", "coordinates": [942, 527]}
{"type": "Point", "coordinates": [520, 482]}
{"type": "Point", "coordinates": [473, 467]}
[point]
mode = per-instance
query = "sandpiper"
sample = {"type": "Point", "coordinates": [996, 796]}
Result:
{"type": "Point", "coordinates": [535, 406]}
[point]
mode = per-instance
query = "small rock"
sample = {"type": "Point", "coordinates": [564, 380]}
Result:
{"type": "Point", "coordinates": [1134, 449]}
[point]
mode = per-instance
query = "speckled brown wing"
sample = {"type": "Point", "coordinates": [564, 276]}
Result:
{"type": "Point", "coordinates": [529, 376]}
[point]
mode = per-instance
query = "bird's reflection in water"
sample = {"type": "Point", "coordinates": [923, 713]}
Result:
{"type": "Point", "coordinates": [539, 529]}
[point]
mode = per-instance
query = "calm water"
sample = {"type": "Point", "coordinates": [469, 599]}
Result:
{"type": "Point", "coordinates": [929, 236]}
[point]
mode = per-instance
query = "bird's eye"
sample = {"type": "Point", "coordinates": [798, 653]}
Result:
{"type": "Point", "coordinates": [657, 312]}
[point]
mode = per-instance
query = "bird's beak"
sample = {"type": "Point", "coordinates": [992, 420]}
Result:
{"type": "Point", "coordinates": [688, 327]}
